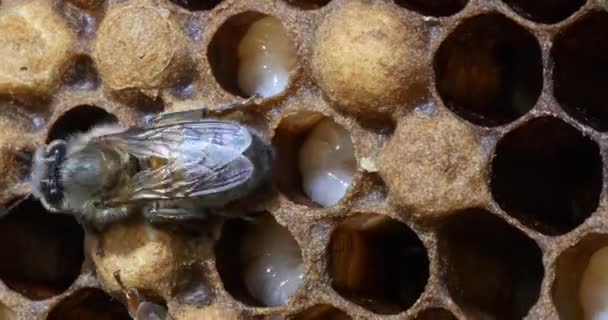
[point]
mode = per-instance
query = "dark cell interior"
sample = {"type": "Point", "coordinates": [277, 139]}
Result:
{"type": "Point", "coordinates": [580, 57]}
{"type": "Point", "coordinates": [89, 303]}
{"type": "Point", "coordinates": [489, 70]}
{"type": "Point", "coordinates": [545, 11]}
{"type": "Point", "coordinates": [570, 266]}
{"type": "Point", "coordinates": [437, 8]}
{"type": "Point", "coordinates": [321, 312]}
{"type": "Point", "coordinates": [436, 314]}
{"type": "Point", "coordinates": [308, 4]}
{"type": "Point", "coordinates": [492, 270]}
{"type": "Point", "coordinates": [197, 5]}
{"type": "Point", "coordinates": [548, 175]}
{"type": "Point", "coordinates": [82, 74]}
{"type": "Point", "coordinates": [222, 52]}
{"type": "Point", "coordinates": [378, 263]}
{"type": "Point", "coordinates": [79, 119]}
{"type": "Point", "coordinates": [45, 250]}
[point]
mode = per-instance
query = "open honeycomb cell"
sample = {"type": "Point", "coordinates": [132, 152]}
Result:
{"type": "Point", "coordinates": [548, 175]}
{"type": "Point", "coordinates": [89, 303]}
{"type": "Point", "coordinates": [580, 55]}
{"type": "Point", "coordinates": [492, 270]}
{"type": "Point", "coordinates": [489, 70]}
{"type": "Point", "coordinates": [78, 120]}
{"type": "Point", "coordinates": [438, 159]}
{"type": "Point", "coordinates": [438, 8]}
{"type": "Point", "coordinates": [570, 275]}
{"type": "Point", "coordinates": [42, 253]}
{"type": "Point", "coordinates": [319, 312]}
{"type": "Point", "coordinates": [545, 11]}
{"type": "Point", "coordinates": [364, 244]}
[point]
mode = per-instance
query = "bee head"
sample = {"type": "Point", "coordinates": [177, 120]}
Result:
{"type": "Point", "coordinates": [47, 184]}
{"type": "Point", "coordinates": [65, 181]}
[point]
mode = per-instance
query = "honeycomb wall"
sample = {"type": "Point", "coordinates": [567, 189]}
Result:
{"type": "Point", "coordinates": [478, 130]}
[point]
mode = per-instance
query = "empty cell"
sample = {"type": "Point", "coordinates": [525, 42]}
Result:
{"type": "Point", "coordinates": [489, 70]}
{"type": "Point", "coordinates": [79, 119]}
{"type": "Point", "coordinates": [89, 303]}
{"type": "Point", "coordinates": [580, 57]}
{"type": "Point", "coordinates": [378, 263]}
{"type": "Point", "coordinates": [436, 314]}
{"type": "Point", "coordinates": [308, 4]}
{"type": "Point", "coordinates": [260, 262]}
{"type": "Point", "coordinates": [45, 251]}
{"type": "Point", "coordinates": [580, 288]}
{"type": "Point", "coordinates": [548, 175]}
{"type": "Point", "coordinates": [252, 53]}
{"type": "Point", "coordinates": [492, 270]}
{"type": "Point", "coordinates": [315, 159]}
{"type": "Point", "coordinates": [197, 5]}
{"type": "Point", "coordinates": [437, 8]}
{"type": "Point", "coordinates": [545, 11]}
{"type": "Point", "coordinates": [321, 312]}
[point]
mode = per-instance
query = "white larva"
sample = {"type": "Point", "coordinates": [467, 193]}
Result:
{"type": "Point", "coordinates": [327, 163]}
{"type": "Point", "coordinates": [266, 56]}
{"type": "Point", "coordinates": [272, 262]}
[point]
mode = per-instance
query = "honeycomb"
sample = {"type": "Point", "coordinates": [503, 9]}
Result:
{"type": "Point", "coordinates": [476, 127]}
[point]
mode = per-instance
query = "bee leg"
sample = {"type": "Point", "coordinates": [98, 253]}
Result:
{"type": "Point", "coordinates": [175, 217]}
{"type": "Point", "coordinates": [200, 113]}
{"type": "Point", "coordinates": [101, 218]}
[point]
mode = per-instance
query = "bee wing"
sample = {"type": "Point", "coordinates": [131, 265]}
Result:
{"type": "Point", "coordinates": [203, 158]}
{"type": "Point", "coordinates": [168, 141]}
{"type": "Point", "coordinates": [186, 181]}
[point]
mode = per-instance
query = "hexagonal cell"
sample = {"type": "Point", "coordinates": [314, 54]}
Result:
{"type": "Point", "coordinates": [580, 56]}
{"type": "Point", "coordinates": [82, 75]}
{"type": "Point", "coordinates": [141, 48]}
{"type": "Point", "coordinates": [308, 4]}
{"type": "Point", "coordinates": [369, 60]}
{"type": "Point", "coordinates": [436, 314]}
{"type": "Point", "coordinates": [545, 11]}
{"type": "Point", "coordinates": [434, 165]}
{"type": "Point", "coordinates": [321, 312]}
{"type": "Point", "coordinates": [88, 303]}
{"type": "Point", "coordinates": [580, 285]}
{"type": "Point", "coordinates": [492, 270]}
{"type": "Point", "coordinates": [45, 251]}
{"type": "Point", "coordinates": [260, 262]}
{"type": "Point", "coordinates": [79, 119]}
{"type": "Point", "coordinates": [197, 5]}
{"type": "Point", "coordinates": [437, 8]}
{"type": "Point", "coordinates": [378, 263]}
{"type": "Point", "coordinates": [252, 53]}
{"type": "Point", "coordinates": [489, 70]}
{"type": "Point", "coordinates": [136, 255]}
{"type": "Point", "coordinates": [315, 161]}
{"type": "Point", "coordinates": [548, 175]}
{"type": "Point", "coordinates": [34, 48]}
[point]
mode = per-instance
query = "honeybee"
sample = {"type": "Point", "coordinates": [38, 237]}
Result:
{"type": "Point", "coordinates": [178, 168]}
